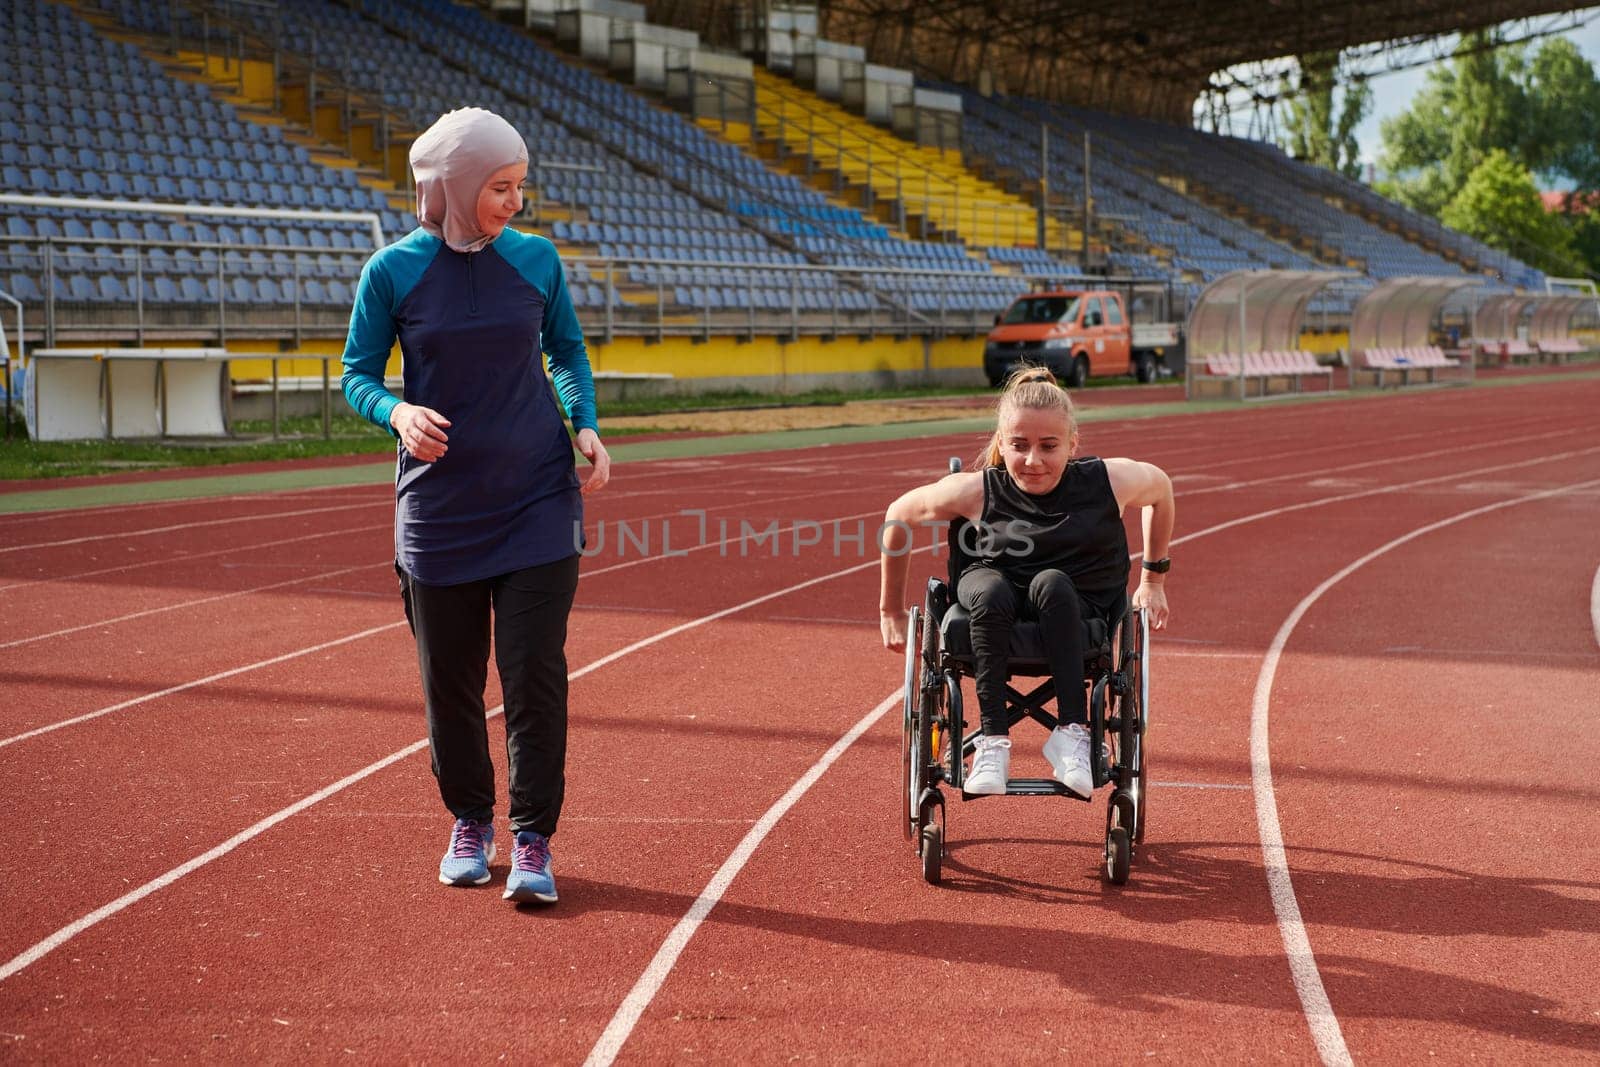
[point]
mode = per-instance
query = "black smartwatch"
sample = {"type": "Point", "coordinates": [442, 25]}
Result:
{"type": "Point", "coordinates": [1158, 566]}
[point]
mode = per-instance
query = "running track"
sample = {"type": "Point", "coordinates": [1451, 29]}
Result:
{"type": "Point", "coordinates": [1373, 821]}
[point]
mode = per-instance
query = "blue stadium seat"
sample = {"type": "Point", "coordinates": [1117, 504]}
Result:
{"type": "Point", "coordinates": [77, 287]}
{"type": "Point", "coordinates": [111, 290]}
{"type": "Point", "coordinates": [24, 289]}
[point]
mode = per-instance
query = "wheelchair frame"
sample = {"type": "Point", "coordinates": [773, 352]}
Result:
{"type": "Point", "coordinates": [1119, 703]}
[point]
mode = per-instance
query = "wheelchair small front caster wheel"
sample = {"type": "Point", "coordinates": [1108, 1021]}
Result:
{"type": "Point", "coordinates": [932, 853]}
{"type": "Point", "coordinates": [1119, 855]}
{"type": "Point", "coordinates": [930, 836]}
{"type": "Point", "coordinates": [1119, 845]}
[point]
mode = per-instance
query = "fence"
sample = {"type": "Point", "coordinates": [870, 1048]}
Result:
{"type": "Point", "coordinates": [116, 290]}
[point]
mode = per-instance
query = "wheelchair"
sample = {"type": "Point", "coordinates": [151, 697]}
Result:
{"type": "Point", "coordinates": [935, 743]}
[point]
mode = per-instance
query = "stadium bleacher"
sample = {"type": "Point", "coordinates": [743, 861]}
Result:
{"type": "Point", "coordinates": [658, 215]}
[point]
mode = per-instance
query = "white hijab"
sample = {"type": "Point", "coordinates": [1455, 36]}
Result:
{"type": "Point", "coordinates": [452, 160]}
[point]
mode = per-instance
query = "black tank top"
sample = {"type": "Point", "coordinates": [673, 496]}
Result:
{"type": "Point", "coordinates": [1074, 528]}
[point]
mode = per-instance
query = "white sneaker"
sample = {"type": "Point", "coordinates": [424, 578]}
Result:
{"type": "Point", "coordinates": [1067, 749]}
{"type": "Point", "coordinates": [991, 766]}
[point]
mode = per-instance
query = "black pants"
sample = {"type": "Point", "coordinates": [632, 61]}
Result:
{"type": "Point", "coordinates": [451, 625]}
{"type": "Point", "coordinates": [996, 604]}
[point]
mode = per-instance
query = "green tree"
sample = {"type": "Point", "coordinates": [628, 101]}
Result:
{"type": "Point", "coordinates": [1499, 205]}
{"type": "Point", "coordinates": [1463, 112]}
{"type": "Point", "coordinates": [1585, 241]}
{"type": "Point", "coordinates": [1566, 95]}
{"type": "Point", "coordinates": [1543, 112]}
{"type": "Point", "coordinates": [1317, 130]}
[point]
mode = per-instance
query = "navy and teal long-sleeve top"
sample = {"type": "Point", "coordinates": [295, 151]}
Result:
{"type": "Point", "coordinates": [472, 327]}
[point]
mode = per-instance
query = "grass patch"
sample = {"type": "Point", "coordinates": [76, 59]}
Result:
{"type": "Point", "coordinates": [300, 439]}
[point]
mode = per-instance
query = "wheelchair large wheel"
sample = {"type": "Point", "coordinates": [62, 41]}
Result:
{"type": "Point", "coordinates": [1139, 691]}
{"type": "Point", "coordinates": [930, 718]}
{"type": "Point", "coordinates": [910, 776]}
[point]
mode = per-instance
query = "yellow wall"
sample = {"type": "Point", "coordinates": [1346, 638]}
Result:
{"type": "Point", "coordinates": [260, 370]}
{"type": "Point", "coordinates": [724, 357]}
{"type": "Point", "coordinates": [1324, 343]}
{"type": "Point", "coordinates": [720, 357]}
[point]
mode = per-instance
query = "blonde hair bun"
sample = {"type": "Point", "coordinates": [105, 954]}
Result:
{"type": "Point", "coordinates": [1026, 374]}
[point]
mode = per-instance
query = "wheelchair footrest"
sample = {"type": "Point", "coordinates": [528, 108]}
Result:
{"type": "Point", "coordinates": [1028, 787]}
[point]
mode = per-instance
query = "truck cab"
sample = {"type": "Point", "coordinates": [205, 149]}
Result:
{"type": "Point", "coordinates": [1077, 333]}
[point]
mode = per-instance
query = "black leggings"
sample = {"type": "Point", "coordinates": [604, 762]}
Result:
{"type": "Point", "coordinates": [451, 625]}
{"type": "Point", "coordinates": [1060, 608]}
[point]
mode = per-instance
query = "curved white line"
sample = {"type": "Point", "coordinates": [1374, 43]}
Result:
{"type": "Point", "coordinates": [49, 727]}
{"type": "Point", "coordinates": [1594, 606]}
{"type": "Point", "coordinates": [185, 526]}
{"type": "Point", "coordinates": [86, 717]}
{"type": "Point", "coordinates": [184, 604]}
{"type": "Point", "coordinates": [187, 557]}
{"type": "Point", "coordinates": [66, 933]}
{"type": "Point", "coordinates": [627, 1015]}
{"type": "Point", "coordinates": [71, 930]}
{"type": "Point", "coordinates": [1296, 944]}
{"type": "Point", "coordinates": [644, 990]}
{"type": "Point", "coordinates": [106, 911]}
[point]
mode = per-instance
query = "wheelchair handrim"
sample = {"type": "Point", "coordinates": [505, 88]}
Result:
{"type": "Point", "coordinates": [907, 778]}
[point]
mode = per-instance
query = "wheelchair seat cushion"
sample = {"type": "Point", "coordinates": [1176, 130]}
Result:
{"type": "Point", "coordinates": [1027, 654]}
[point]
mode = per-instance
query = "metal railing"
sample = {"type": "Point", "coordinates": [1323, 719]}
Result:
{"type": "Point", "coordinates": [101, 288]}
{"type": "Point", "coordinates": [5, 352]}
{"type": "Point", "coordinates": [138, 290]}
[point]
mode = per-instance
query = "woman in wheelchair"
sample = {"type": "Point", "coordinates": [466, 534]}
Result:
{"type": "Point", "coordinates": [1045, 541]}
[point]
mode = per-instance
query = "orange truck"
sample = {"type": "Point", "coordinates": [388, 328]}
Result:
{"type": "Point", "coordinates": [1078, 334]}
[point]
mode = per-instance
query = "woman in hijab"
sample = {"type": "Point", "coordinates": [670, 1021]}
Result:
{"type": "Point", "coordinates": [486, 495]}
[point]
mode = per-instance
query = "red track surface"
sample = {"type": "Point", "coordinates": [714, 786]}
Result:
{"type": "Point", "coordinates": [1430, 724]}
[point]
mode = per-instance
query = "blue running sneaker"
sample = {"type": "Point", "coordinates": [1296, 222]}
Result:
{"type": "Point", "coordinates": [471, 849]}
{"type": "Point", "coordinates": [530, 879]}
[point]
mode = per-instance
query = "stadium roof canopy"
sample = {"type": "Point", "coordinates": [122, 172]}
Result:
{"type": "Point", "coordinates": [1147, 57]}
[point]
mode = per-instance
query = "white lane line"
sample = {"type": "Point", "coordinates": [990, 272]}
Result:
{"type": "Point", "coordinates": [1323, 501]}
{"type": "Point", "coordinates": [1523, 654]}
{"type": "Point", "coordinates": [186, 604]}
{"type": "Point", "coordinates": [644, 990]}
{"type": "Point", "coordinates": [88, 716]}
{"type": "Point", "coordinates": [71, 930]}
{"type": "Point", "coordinates": [186, 557]}
{"type": "Point", "coordinates": [1387, 461]}
{"type": "Point", "coordinates": [12, 519]}
{"type": "Point", "coordinates": [106, 911]}
{"type": "Point", "coordinates": [650, 821]}
{"type": "Point", "coordinates": [385, 563]}
{"type": "Point", "coordinates": [1594, 606]}
{"type": "Point", "coordinates": [1201, 785]}
{"type": "Point", "coordinates": [66, 933]}
{"type": "Point", "coordinates": [208, 679]}
{"type": "Point", "coordinates": [184, 526]}
{"type": "Point", "coordinates": [1314, 1002]}
{"type": "Point", "coordinates": [610, 1043]}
